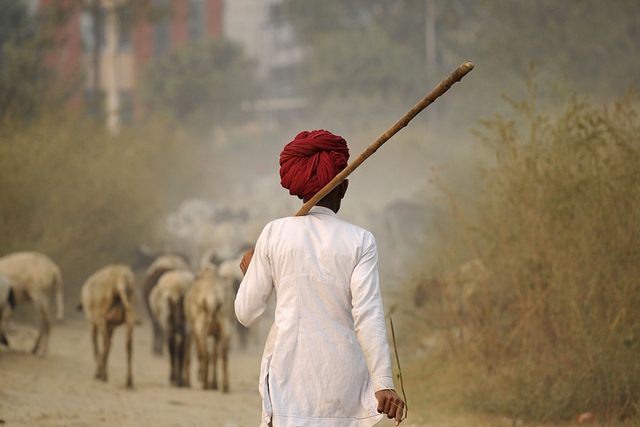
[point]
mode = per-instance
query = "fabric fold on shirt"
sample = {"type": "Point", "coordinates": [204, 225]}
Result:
{"type": "Point", "coordinates": [327, 352]}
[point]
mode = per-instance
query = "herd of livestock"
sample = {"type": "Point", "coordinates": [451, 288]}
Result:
{"type": "Point", "coordinates": [186, 309]}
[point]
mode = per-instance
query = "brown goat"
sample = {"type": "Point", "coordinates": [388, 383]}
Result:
{"type": "Point", "coordinates": [161, 265]}
{"type": "Point", "coordinates": [107, 297]}
{"type": "Point", "coordinates": [167, 305]}
{"type": "Point", "coordinates": [32, 276]}
{"type": "Point", "coordinates": [207, 308]}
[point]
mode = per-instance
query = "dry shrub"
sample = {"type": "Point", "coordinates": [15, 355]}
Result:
{"type": "Point", "coordinates": [556, 322]}
{"type": "Point", "coordinates": [87, 198]}
{"type": "Point", "coordinates": [553, 322]}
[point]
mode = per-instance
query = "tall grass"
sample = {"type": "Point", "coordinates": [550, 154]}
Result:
{"type": "Point", "coordinates": [87, 198]}
{"type": "Point", "coordinates": [556, 321]}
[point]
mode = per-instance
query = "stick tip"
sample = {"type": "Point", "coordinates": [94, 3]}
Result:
{"type": "Point", "coordinates": [468, 65]}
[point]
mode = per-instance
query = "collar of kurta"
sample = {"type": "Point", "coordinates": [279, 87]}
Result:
{"type": "Point", "coordinates": [322, 210]}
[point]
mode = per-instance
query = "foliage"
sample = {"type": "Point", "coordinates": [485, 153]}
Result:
{"type": "Point", "coordinates": [587, 41]}
{"type": "Point", "coordinates": [201, 83]}
{"type": "Point", "coordinates": [359, 61]}
{"type": "Point", "coordinates": [348, 64]}
{"type": "Point", "coordinates": [554, 319]}
{"type": "Point", "coordinates": [85, 197]}
{"type": "Point", "coordinates": [23, 75]}
{"type": "Point", "coordinates": [402, 20]}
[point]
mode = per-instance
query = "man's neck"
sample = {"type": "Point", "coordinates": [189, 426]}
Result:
{"type": "Point", "coordinates": [333, 199]}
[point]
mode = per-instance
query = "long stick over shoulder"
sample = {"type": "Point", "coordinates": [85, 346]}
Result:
{"type": "Point", "coordinates": [439, 90]}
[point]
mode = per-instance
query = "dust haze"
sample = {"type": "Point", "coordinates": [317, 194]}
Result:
{"type": "Point", "coordinates": [193, 168]}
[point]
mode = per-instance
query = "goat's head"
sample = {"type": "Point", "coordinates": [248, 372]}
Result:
{"type": "Point", "coordinates": [208, 270]}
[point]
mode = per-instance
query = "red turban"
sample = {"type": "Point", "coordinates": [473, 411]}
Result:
{"type": "Point", "coordinates": [311, 160]}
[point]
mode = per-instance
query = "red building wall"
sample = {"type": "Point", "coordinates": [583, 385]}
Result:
{"type": "Point", "coordinates": [66, 57]}
{"type": "Point", "coordinates": [215, 13]}
{"type": "Point", "coordinates": [142, 39]}
{"type": "Point", "coordinates": [180, 23]}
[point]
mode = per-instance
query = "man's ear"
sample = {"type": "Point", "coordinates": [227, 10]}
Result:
{"type": "Point", "coordinates": [344, 185]}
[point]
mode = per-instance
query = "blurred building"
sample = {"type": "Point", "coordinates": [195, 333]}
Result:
{"type": "Point", "coordinates": [259, 25]}
{"type": "Point", "coordinates": [144, 34]}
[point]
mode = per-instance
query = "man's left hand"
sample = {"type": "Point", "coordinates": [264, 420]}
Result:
{"type": "Point", "coordinates": [246, 259]}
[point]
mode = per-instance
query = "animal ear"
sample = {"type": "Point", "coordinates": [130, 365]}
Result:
{"type": "Point", "coordinates": [210, 257]}
{"type": "Point", "coordinates": [12, 298]}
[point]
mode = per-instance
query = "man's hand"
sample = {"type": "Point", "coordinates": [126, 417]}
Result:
{"type": "Point", "coordinates": [390, 403]}
{"type": "Point", "coordinates": [246, 259]}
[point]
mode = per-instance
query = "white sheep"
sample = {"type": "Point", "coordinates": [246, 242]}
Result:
{"type": "Point", "coordinates": [207, 308]}
{"type": "Point", "coordinates": [107, 297]}
{"type": "Point", "coordinates": [229, 270]}
{"type": "Point", "coordinates": [32, 276]}
{"type": "Point", "coordinates": [167, 305]}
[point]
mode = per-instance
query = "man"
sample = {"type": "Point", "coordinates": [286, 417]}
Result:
{"type": "Point", "coordinates": [326, 360]}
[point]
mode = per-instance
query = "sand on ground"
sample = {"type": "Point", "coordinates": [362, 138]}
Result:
{"type": "Point", "coordinates": [59, 389]}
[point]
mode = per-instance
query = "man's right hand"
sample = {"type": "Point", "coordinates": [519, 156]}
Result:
{"type": "Point", "coordinates": [391, 404]}
{"type": "Point", "coordinates": [246, 259]}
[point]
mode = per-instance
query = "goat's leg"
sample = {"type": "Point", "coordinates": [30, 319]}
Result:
{"type": "Point", "coordinates": [97, 355]}
{"type": "Point", "coordinates": [225, 363]}
{"type": "Point", "coordinates": [98, 330]}
{"type": "Point", "coordinates": [243, 333]}
{"type": "Point", "coordinates": [158, 338]}
{"type": "Point", "coordinates": [180, 360]}
{"type": "Point", "coordinates": [172, 344]}
{"type": "Point", "coordinates": [41, 306]}
{"type": "Point", "coordinates": [129, 354]}
{"type": "Point", "coordinates": [201, 347]}
{"type": "Point", "coordinates": [106, 333]}
{"type": "Point", "coordinates": [186, 361]}
{"type": "Point", "coordinates": [130, 319]}
{"type": "Point", "coordinates": [94, 341]}
{"type": "Point", "coordinates": [214, 362]}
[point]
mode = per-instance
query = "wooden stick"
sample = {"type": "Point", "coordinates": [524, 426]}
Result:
{"type": "Point", "coordinates": [439, 90]}
{"type": "Point", "coordinates": [395, 349]}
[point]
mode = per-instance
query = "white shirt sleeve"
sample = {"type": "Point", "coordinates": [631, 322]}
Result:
{"type": "Point", "coordinates": [256, 286]}
{"type": "Point", "coordinates": [368, 315]}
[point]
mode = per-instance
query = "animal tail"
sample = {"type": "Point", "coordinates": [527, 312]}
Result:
{"type": "Point", "coordinates": [149, 282]}
{"type": "Point", "coordinates": [126, 299]}
{"type": "Point", "coordinates": [57, 278]}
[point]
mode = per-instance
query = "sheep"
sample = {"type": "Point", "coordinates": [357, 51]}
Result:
{"type": "Point", "coordinates": [31, 275]}
{"type": "Point", "coordinates": [207, 307]}
{"type": "Point", "coordinates": [107, 297]}
{"type": "Point", "coordinates": [167, 305]}
{"type": "Point", "coordinates": [161, 265]}
{"type": "Point", "coordinates": [229, 271]}
{"type": "Point", "coordinates": [7, 304]}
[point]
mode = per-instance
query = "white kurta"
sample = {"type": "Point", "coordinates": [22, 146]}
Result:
{"type": "Point", "coordinates": [327, 352]}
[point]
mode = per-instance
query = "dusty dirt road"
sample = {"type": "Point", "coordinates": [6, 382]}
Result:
{"type": "Point", "coordinates": [59, 389]}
